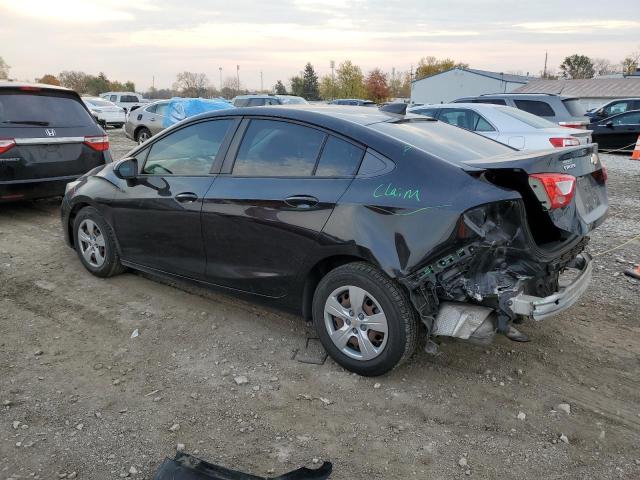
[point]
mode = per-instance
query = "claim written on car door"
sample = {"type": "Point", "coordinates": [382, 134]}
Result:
{"type": "Point", "coordinates": [158, 217]}
{"type": "Point", "coordinates": [279, 184]}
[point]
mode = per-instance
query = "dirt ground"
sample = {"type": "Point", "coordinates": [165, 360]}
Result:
{"type": "Point", "coordinates": [80, 398]}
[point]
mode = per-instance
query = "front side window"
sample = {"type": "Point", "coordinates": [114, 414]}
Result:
{"type": "Point", "coordinates": [632, 118]}
{"type": "Point", "coordinates": [536, 107]}
{"type": "Point", "coordinates": [339, 158]}
{"type": "Point", "coordinates": [273, 148]}
{"type": "Point", "coordinates": [113, 98]}
{"type": "Point", "coordinates": [619, 107]}
{"type": "Point", "coordinates": [161, 108]}
{"type": "Point", "coordinates": [188, 151]}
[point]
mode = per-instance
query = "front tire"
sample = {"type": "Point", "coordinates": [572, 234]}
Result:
{"type": "Point", "coordinates": [95, 243]}
{"type": "Point", "coordinates": [365, 320]}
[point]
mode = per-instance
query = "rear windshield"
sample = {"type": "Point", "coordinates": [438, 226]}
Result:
{"type": "Point", "coordinates": [442, 140]}
{"type": "Point", "coordinates": [526, 117]}
{"type": "Point", "coordinates": [574, 106]}
{"type": "Point", "coordinates": [26, 109]}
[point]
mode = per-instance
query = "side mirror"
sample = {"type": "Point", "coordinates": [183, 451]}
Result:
{"type": "Point", "coordinates": [127, 169]}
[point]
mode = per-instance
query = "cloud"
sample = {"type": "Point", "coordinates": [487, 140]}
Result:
{"type": "Point", "coordinates": [77, 11]}
{"type": "Point", "coordinates": [585, 26]}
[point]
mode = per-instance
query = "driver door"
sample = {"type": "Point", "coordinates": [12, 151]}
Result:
{"type": "Point", "coordinates": [157, 216]}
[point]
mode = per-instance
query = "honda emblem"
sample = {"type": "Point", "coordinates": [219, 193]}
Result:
{"type": "Point", "coordinates": [50, 132]}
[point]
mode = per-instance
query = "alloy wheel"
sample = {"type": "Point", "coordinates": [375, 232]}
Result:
{"type": "Point", "coordinates": [92, 243]}
{"type": "Point", "coordinates": [356, 323]}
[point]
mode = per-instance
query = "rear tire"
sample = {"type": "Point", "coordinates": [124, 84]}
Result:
{"type": "Point", "coordinates": [95, 244]}
{"type": "Point", "coordinates": [373, 335]}
{"type": "Point", "coordinates": [143, 135]}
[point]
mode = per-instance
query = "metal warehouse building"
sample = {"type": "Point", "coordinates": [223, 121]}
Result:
{"type": "Point", "coordinates": [592, 92]}
{"type": "Point", "coordinates": [462, 82]}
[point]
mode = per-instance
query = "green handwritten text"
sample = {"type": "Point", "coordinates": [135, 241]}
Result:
{"type": "Point", "coordinates": [388, 190]}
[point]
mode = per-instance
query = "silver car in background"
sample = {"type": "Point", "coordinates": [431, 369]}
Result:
{"type": "Point", "coordinates": [144, 122]}
{"type": "Point", "coordinates": [508, 125]}
{"type": "Point", "coordinates": [106, 113]}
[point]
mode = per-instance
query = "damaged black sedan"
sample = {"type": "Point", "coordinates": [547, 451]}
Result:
{"type": "Point", "coordinates": [382, 229]}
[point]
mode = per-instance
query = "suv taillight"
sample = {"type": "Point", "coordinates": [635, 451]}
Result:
{"type": "Point", "coordinates": [560, 142]}
{"type": "Point", "coordinates": [6, 144]}
{"type": "Point", "coordinates": [99, 143]}
{"type": "Point", "coordinates": [558, 187]}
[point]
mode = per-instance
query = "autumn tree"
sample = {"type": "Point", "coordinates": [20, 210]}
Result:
{"type": "Point", "coordinates": [349, 81]}
{"type": "Point", "coordinates": [629, 64]}
{"type": "Point", "coordinates": [48, 79]}
{"type": "Point", "coordinates": [280, 88]}
{"type": "Point", "coordinates": [74, 80]}
{"type": "Point", "coordinates": [128, 86]}
{"type": "Point", "coordinates": [4, 69]}
{"type": "Point", "coordinates": [97, 85]}
{"type": "Point", "coordinates": [310, 88]}
{"type": "Point", "coordinates": [297, 85]}
{"type": "Point", "coordinates": [577, 67]}
{"type": "Point", "coordinates": [377, 86]}
{"type": "Point", "coordinates": [191, 84]}
{"type": "Point", "coordinates": [428, 66]}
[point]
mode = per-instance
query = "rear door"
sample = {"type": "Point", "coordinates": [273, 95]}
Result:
{"type": "Point", "coordinates": [264, 214]}
{"type": "Point", "coordinates": [54, 134]}
{"type": "Point", "coordinates": [157, 216]}
{"type": "Point", "coordinates": [618, 132]}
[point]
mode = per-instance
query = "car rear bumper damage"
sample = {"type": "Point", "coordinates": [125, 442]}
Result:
{"type": "Point", "coordinates": [496, 277]}
{"type": "Point", "coordinates": [540, 308]}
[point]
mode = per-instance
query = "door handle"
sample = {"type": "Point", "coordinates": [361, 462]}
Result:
{"type": "Point", "coordinates": [186, 197]}
{"type": "Point", "coordinates": [301, 201]}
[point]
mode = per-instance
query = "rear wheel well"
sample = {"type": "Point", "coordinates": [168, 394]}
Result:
{"type": "Point", "coordinates": [136, 132]}
{"type": "Point", "coordinates": [314, 276]}
{"type": "Point", "coordinates": [72, 216]}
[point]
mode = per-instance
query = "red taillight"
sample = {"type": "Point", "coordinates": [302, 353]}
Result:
{"type": "Point", "coordinates": [578, 125]}
{"type": "Point", "coordinates": [6, 144]}
{"type": "Point", "coordinates": [560, 142]}
{"type": "Point", "coordinates": [559, 188]}
{"type": "Point", "coordinates": [99, 143]}
{"type": "Point", "coordinates": [30, 89]}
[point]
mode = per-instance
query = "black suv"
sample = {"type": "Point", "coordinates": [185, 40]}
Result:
{"type": "Point", "coordinates": [47, 139]}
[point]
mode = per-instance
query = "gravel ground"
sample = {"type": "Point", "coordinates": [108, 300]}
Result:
{"type": "Point", "coordinates": [81, 399]}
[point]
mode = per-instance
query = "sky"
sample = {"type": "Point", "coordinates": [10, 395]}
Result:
{"type": "Point", "coordinates": [150, 41]}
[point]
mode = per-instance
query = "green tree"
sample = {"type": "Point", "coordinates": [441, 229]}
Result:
{"type": "Point", "coordinates": [629, 64]}
{"type": "Point", "coordinates": [74, 80]}
{"type": "Point", "coordinates": [428, 66]}
{"type": "Point", "coordinates": [48, 79]}
{"type": "Point", "coordinates": [349, 81]}
{"type": "Point", "coordinates": [4, 69]}
{"type": "Point", "coordinates": [97, 85]}
{"type": "Point", "coordinates": [297, 85]}
{"type": "Point", "coordinates": [377, 86]}
{"type": "Point", "coordinates": [577, 66]}
{"type": "Point", "coordinates": [310, 88]}
{"type": "Point", "coordinates": [327, 88]}
{"type": "Point", "coordinates": [280, 88]}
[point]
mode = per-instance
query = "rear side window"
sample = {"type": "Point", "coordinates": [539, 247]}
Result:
{"type": "Point", "coordinates": [28, 109]}
{"type": "Point", "coordinates": [241, 102]}
{"type": "Point", "coordinates": [451, 144]}
{"type": "Point", "coordinates": [188, 151]}
{"type": "Point", "coordinates": [256, 102]}
{"type": "Point", "coordinates": [338, 159]}
{"type": "Point", "coordinates": [272, 148]}
{"type": "Point", "coordinates": [129, 99]}
{"type": "Point", "coordinates": [536, 107]}
{"type": "Point", "coordinates": [151, 109]}
{"type": "Point", "coordinates": [467, 119]}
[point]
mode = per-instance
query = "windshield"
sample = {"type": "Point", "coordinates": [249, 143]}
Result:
{"type": "Point", "coordinates": [293, 100]}
{"type": "Point", "coordinates": [575, 107]}
{"type": "Point", "coordinates": [526, 117]}
{"type": "Point", "coordinates": [56, 110]}
{"type": "Point", "coordinates": [442, 140]}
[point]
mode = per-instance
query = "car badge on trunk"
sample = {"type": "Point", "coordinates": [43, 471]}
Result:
{"type": "Point", "coordinates": [50, 132]}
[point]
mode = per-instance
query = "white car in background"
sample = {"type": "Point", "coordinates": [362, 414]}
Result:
{"type": "Point", "coordinates": [127, 100]}
{"type": "Point", "coordinates": [106, 113]}
{"type": "Point", "coordinates": [508, 125]}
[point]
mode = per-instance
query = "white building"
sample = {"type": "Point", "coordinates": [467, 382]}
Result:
{"type": "Point", "coordinates": [452, 84]}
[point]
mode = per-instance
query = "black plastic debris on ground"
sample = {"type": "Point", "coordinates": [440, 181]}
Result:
{"type": "Point", "coordinates": [187, 467]}
{"type": "Point", "coordinates": [313, 352]}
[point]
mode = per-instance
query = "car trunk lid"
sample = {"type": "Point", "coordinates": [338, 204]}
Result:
{"type": "Point", "coordinates": [575, 177]}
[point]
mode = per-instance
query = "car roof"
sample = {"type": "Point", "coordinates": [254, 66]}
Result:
{"type": "Point", "coordinates": [8, 84]}
{"type": "Point", "coordinates": [524, 95]}
{"type": "Point", "coordinates": [257, 95]}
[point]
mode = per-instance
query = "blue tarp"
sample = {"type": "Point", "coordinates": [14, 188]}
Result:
{"type": "Point", "coordinates": [181, 108]}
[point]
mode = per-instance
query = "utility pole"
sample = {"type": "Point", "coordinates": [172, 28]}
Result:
{"type": "Point", "coordinates": [153, 82]}
{"type": "Point", "coordinates": [393, 81]}
{"type": "Point", "coordinates": [238, 77]}
{"type": "Point", "coordinates": [333, 80]}
{"type": "Point", "coordinates": [220, 68]}
{"type": "Point", "coordinates": [544, 72]}
{"type": "Point", "coordinates": [261, 83]}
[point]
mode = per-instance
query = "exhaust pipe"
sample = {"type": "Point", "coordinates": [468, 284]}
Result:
{"type": "Point", "coordinates": [465, 321]}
